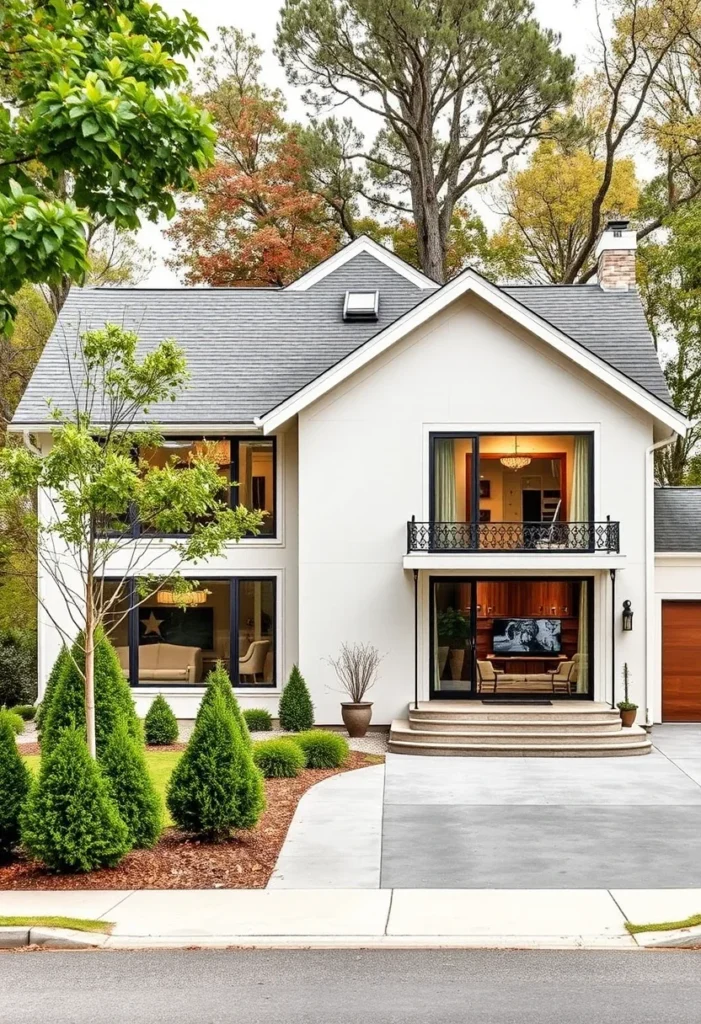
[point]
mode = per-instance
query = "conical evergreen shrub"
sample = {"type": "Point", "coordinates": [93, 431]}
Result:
{"type": "Point", "coordinates": [112, 697]}
{"type": "Point", "coordinates": [160, 724]}
{"type": "Point", "coordinates": [15, 781]}
{"type": "Point", "coordinates": [70, 821]}
{"type": "Point", "coordinates": [215, 787]}
{"type": "Point", "coordinates": [218, 681]}
{"type": "Point", "coordinates": [129, 783]}
{"type": "Point", "coordinates": [57, 671]}
{"type": "Point", "coordinates": [296, 709]}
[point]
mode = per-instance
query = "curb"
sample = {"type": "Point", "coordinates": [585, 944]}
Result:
{"type": "Point", "coordinates": [50, 938]}
{"type": "Point", "coordinates": [679, 938]}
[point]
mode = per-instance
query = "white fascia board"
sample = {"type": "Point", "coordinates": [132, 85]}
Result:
{"type": "Point", "coordinates": [167, 429]}
{"type": "Point", "coordinates": [433, 304]}
{"type": "Point", "coordinates": [348, 252]}
{"type": "Point", "coordinates": [678, 556]}
{"type": "Point", "coordinates": [543, 562]}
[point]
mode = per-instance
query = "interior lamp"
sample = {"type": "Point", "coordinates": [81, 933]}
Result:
{"type": "Point", "coordinates": [192, 597]}
{"type": "Point", "coordinates": [515, 461]}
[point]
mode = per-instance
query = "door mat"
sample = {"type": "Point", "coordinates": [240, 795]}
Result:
{"type": "Point", "coordinates": [521, 703]}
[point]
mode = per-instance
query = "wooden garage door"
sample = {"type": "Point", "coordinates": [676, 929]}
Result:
{"type": "Point", "coordinates": [681, 661]}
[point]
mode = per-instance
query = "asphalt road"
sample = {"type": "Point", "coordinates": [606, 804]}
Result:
{"type": "Point", "coordinates": [349, 986]}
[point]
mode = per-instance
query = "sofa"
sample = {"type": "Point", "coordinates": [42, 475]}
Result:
{"type": "Point", "coordinates": [165, 663]}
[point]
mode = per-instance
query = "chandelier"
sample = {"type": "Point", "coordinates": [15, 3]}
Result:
{"type": "Point", "coordinates": [515, 461]}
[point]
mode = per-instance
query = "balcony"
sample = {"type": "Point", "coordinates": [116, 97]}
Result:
{"type": "Point", "coordinates": [528, 538]}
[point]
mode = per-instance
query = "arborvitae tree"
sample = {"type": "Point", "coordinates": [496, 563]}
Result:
{"type": "Point", "coordinates": [57, 671]}
{"type": "Point", "coordinates": [296, 708]}
{"type": "Point", "coordinates": [15, 781]}
{"type": "Point", "coordinates": [70, 821]}
{"type": "Point", "coordinates": [124, 768]}
{"type": "Point", "coordinates": [215, 787]}
{"type": "Point", "coordinates": [218, 681]}
{"type": "Point", "coordinates": [113, 701]}
{"type": "Point", "coordinates": [160, 724]}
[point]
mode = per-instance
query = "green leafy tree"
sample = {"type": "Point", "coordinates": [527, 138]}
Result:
{"type": "Point", "coordinates": [18, 666]}
{"type": "Point", "coordinates": [70, 822]}
{"type": "Point", "coordinates": [296, 709]}
{"type": "Point", "coordinates": [160, 724]}
{"type": "Point", "coordinates": [461, 87]}
{"type": "Point", "coordinates": [215, 787]}
{"type": "Point", "coordinates": [124, 767]}
{"type": "Point", "coordinates": [93, 129]}
{"type": "Point", "coordinates": [14, 787]}
{"type": "Point", "coordinates": [93, 484]}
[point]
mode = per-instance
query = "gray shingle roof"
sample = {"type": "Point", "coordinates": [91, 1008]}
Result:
{"type": "Point", "coordinates": [678, 519]}
{"type": "Point", "coordinates": [249, 349]}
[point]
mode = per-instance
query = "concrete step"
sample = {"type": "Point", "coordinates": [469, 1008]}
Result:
{"type": "Point", "coordinates": [464, 742]}
{"type": "Point", "coordinates": [478, 711]}
{"type": "Point", "coordinates": [569, 726]}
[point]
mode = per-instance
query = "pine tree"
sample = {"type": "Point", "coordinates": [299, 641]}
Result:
{"type": "Point", "coordinates": [296, 709]}
{"type": "Point", "coordinates": [218, 681]}
{"type": "Point", "coordinates": [70, 822]}
{"type": "Point", "coordinates": [215, 787]}
{"type": "Point", "coordinates": [160, 724]}
{"type": "Point", "coordinates": [57, 671]}
{"type": "Point", "coordinates": [129, 783]}
{"type": "Point", "coordinates": [15, 781]}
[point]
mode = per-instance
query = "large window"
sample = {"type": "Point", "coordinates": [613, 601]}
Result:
{"type": "Point", "coordinates": [162, 643]}
{"type": "Point", "coordinates": [247, 468]}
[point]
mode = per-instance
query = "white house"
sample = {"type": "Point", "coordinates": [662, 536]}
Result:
{"type": "Point", "coordinates": [461, 476]}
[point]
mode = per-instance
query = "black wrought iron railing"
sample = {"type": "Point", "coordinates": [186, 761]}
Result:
{"type": "Point", "coordinates": [471, 537]}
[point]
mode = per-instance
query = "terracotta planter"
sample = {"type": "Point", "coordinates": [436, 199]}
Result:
{"type": "Point", "coordinates": [456, 660]}
{"type": "Point", "coordinates": [356, 718]}
{"type": "Point", "coordinates": [628, 718]}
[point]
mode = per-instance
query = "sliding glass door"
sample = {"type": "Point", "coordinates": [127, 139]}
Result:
{"type": "Point", "coordinates": [453, 638]}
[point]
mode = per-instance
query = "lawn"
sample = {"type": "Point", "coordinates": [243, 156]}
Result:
{"type": "Point", "coordinates": [160, 766]}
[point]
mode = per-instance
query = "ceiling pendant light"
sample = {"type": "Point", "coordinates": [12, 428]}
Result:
{"type": "Point", "coordinates": [515, 461]}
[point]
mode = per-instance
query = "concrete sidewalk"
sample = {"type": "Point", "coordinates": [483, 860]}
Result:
{"type": "Point", "coordinates": [526, 918]}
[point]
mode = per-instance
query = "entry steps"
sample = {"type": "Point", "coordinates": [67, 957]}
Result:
{"type": "Point", "coordinates": [483, 729]}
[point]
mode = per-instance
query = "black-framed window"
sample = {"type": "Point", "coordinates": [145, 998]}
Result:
{"type": "Point", "coordinates": [247, 466]}
{"type": "Point", "coordinates": [227, 619]}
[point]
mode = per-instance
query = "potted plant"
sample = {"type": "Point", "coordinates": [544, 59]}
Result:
{"type": "Point", "coordinates": [356, 668]}
{"type": "Point", "coordinates": [625, 706]}
{"type": "Point", "coordinates": [453, 631]}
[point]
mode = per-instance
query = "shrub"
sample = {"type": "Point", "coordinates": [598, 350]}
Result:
{"type": "Point", "coordinates": [27, 712]}
{"type": "Point", "coordinates": [218, 682]}
{"type": "Point", "coordinates": [322, 749]}
{"type": "Point", "coordinates": [215, 787]}
{"type": "Point", "coordinates": [160, 724]}
{"type": "Point", "coordinates": [15, 721]}
{"type": "Point", "coordinates": [59, 667]}
{"type": "Point", "coordinates": [130, 786]}
{"type": "Point", "coordinates": [258, 719]}
{"type": "Point", "coordinates": [296, 708]}
{"type": "Point", "coordinates": [70, 822]}
{"type": "Point", "coordinates": [279, 759]}
{"type": "Point", "coordinates": [18, 666]}
{"type": "Point", "coordinates": [112, 697]}
{"type": "Point", "coordinates": [15, 781]}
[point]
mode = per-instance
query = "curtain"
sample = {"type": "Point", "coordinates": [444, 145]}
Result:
{"type": "Point", "coordinates": [583, 639]}
{"type": "Point", "coordinates": [444, 485]}
{"type": "Point", "coordinates": [579, 495]}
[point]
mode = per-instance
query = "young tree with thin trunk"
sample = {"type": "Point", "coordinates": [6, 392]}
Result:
{"type": "Point", "coordinates": [91, 486]}
{"type": "Point", "coordinates": [461, 86]}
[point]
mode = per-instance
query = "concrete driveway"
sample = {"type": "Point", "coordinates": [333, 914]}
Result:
{"type": "Point", "coordinates": [539, 823]}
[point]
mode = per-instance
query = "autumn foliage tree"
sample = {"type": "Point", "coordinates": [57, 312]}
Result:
{"type": "Point", "coordinates": [255, 221]}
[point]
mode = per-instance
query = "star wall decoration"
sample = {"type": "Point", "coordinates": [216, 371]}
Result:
{"type": "Point", "coordinates": [152, 625]}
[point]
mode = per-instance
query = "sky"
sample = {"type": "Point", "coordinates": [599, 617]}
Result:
{"type": "Point", "coordinates": [574, 22]}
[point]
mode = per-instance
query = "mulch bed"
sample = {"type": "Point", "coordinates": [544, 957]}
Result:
{"type": "Point", "coordinates": [180, 862]}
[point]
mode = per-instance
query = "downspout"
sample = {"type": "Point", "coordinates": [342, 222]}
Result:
{"type": "Point", "coordinates": [29, 445]}
{"type": "Point", "coordinates": [652, 639]}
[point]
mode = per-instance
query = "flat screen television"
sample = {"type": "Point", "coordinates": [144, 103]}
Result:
{"type": "Point", "coordinates": [527, 636]}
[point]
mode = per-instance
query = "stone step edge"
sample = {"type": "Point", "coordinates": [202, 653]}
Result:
{"type": "Point", "coordinates": [646, 745]}
{"type": "Point", "coordinates": [530, 722]}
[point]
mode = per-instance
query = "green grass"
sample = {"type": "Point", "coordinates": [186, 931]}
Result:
{"type": "Point", "coordinates": [81, 924]}
{"type": "Point", "coordinates": [664, 926]}
{"type": "Point", "coordinates": [160, 765]}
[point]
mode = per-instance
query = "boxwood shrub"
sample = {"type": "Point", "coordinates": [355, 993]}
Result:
{"type": "Point", "coordinates": [258, 719]}
{"type": "Point", "coordinates": [25, 711]}
{"type": "Point", "coordinates": [15, 721]}
{"type": "Point", "coordinates": [322, 749]}
{"type": "Point", "coordinates": [160, 724]}
{"type": "Point", "coordinates": [279, 758]}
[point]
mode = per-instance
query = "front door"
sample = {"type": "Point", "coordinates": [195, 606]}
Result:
{"type": "Point", "coordinates": [453, 639]}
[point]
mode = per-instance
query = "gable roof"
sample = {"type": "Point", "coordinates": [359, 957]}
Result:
{"type": "Point", "coordinates": [254, 352]}
{"type": "Point", "coordinates": [678, 519]}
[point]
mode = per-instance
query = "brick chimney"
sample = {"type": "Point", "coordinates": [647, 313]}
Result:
{"type": "Point", "coordinates": [615, 255]}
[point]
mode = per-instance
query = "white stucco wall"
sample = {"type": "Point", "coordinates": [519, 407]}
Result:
{"type": "Point", "coordinates": [257, 556]}
{"type": "Point", "coordinates": [363, 471]}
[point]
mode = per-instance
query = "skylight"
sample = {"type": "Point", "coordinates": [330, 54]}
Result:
{"type": "Point", "coordinates": [361, 305]}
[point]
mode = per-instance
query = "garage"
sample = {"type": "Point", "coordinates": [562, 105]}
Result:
{"type": "Point", "coordinates": [681, 661]}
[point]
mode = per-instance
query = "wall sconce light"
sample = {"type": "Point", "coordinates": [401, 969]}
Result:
{"type": "Point", "coordinates": [627, 617]}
